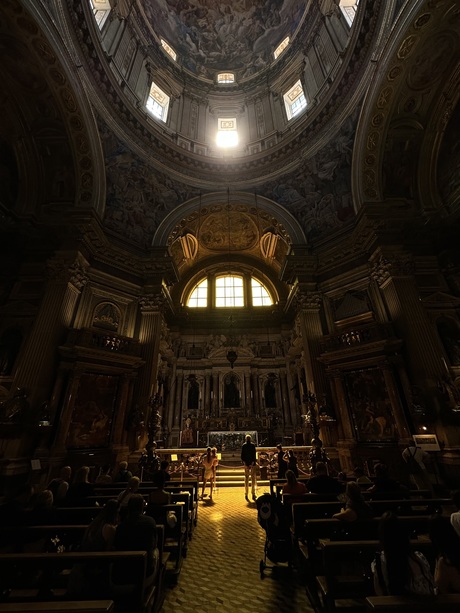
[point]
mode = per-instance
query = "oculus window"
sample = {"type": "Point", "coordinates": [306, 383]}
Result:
{"type": "Point", "coordinates": [295, 100]}
{"type": "Point", "coordinates": [169, 50]}
{"type": "Point", "coordinates": [281, 47]}
{"type": "Point", "coordinates": [226, 77]}
{"type": "Point", "coordinates": [101, 10]}
{"type": "Point", "coordinates": [227, 135]}
{"type": "Point", "coordinates": [229, 290]}
{"type": "Point", "coordinates": [157, 102]}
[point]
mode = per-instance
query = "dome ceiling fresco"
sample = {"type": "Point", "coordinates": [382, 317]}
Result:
{"type": "Point", "coordinates": [230, 35]}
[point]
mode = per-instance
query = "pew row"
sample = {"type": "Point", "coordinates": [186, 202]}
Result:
{"type": "Point", "coordinates": [445, 603]}
{"type": "Point", "coordinates": [35, 577]}
{"type": "Point", "coordinates": [66, 606]}
{"type": "Point", "coordinates": [347, 578]}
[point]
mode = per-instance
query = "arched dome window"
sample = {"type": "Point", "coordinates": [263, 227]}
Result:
{"type": "Point", "coordinates": [229, 291]}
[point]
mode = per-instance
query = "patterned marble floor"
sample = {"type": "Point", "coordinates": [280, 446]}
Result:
{"type": "Point", "coordinates": [221, 571]}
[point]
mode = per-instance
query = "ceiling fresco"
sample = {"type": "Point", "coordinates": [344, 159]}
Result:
{"type": "Point", "coordinates": [318, 194]}
{"type": "Point", "coordinates": [235, 35]}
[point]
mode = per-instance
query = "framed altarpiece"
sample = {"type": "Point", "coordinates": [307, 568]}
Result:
{"type": "Point", "coordinates": [370, 407]}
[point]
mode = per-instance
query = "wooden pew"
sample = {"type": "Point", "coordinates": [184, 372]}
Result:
{"type": "Point", "coordinates": [71, 537]}
{"type": "Point", "coordinates": [443, 603]}
{"type": "Point", "coordinates": [174, 537]}
{"type": "Point", "coordinates": [67, 606]}
{"type": "Point", "coordinates": [29, 577]}
{"type": "Point", "coordinates": [302, 511]}
{"type": "Point", "coordinates": [316, 530]}
{"type": "Point", "coordinates": [17, 539]}
{"type": "Point", "coordinates": [347, 569]}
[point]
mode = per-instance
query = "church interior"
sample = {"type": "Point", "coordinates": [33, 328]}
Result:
{"type": "Point", "coordinates": [222, 218]}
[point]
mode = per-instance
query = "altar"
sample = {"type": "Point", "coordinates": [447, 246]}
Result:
{"type": "Point", "coordinates": [230, 441]}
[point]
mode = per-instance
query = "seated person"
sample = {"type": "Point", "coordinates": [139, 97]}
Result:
{"type": "Point", "coordinates": [137, 532]}
{"type": "Point", "coordinates": [158, 495]}
{"type": "Point", "coordinates": [321, 483]}
{"type": "Point", "coordinates": [293, 487]}
{"type": "Point", "coordinates": [60, 485]}
{"type": "Point", "coordinates": [123, 475]}
{"type": "Point", "coordinates": [355, 507]}
{"type": "Point", "coordinates": [397, 570]}
{"type": "Point", "coordinates": [100, 534]}
{"type": "Point", "coordinates": [455, 516]}
{"type": "Point", "coordinates": [447, 546]}
{"type": "Point", "coordinates": [384, 486]}
{"type": "Point", "coordinates": [80, 489]}
{"type": "Point", "coordinates": [125, 495]}
{"type": "Point", "coordinates": [42, 513]}
{"type": "Point", "coordinates": [164, 465]}
{"type": "Point", "coordinates": [360, 477]}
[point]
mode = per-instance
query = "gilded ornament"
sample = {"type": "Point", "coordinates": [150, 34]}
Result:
{"type": "Point", "coordinates": [422, 20]}
{"type": "Point", "coordinates": [406, 47]}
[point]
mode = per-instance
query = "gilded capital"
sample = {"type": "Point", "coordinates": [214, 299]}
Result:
{"type": "Point", "coordinates": [151, 302]}
{"type": "Point", "coordinates": [309, 300]}
{"type": "Point", "coordinates": [385, 267]}
{"type": "Point", "coordinates": [61, 270]}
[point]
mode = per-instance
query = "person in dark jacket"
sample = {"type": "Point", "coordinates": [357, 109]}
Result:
{"type": "Point", "coordinates": [249, 459]}
{"type": "Point", "coordinates": [282, 463]}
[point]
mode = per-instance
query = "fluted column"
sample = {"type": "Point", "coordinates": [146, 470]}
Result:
{"type": "Point", "coordinates": [120, 411]}
{"type": "Point", "coordinates": [394, 273]}
{"type": "Point", "coordinates": [247, 392]}
{"type": "Point", "coordinates": [345, 428]}
{"type": "Point", "coordinates": [178, 403]}
{"type": "Point", "coordinates": [285, 398]}
{"type": "Point", "coordinates": [149, 335]}
{"type": "Point", "coordinates": [255, 393]}
{"type": "Point", "coordinates": [400, 420]}
{"type": "Point", "coordinates": [215, 393]}
{"type": "Point", "coordinates": [309, 304]}
{"type": "Point", "coordinates": [172, 396]}
{"type": "Point", "coordinates": [66, 278]}
{"type": "Point", "coordinates": [66, 416]}
{"type": "Point", "coordinates": [207, 394]}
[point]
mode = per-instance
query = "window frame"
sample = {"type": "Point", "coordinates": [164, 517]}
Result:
{"type": "Point", "coordinates": [289, 102]}
{"type": "Point", "coordinates": [246, 288]}
{"type": "Point", "coordinates": [150, 106]}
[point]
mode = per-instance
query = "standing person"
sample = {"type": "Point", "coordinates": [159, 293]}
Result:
{"type": "Point", "coordinates": [208, 465]}
{"type": "Point", "coordinates": [416, 459]}
{"type": "Point", "coordinates": [282, 463]}
{"type": "Point", "coordinates": [249, 458]}
{"type": "Point", "coordinates": [215, 462]}
{"type": "Point", "coordinates": [292, 462]}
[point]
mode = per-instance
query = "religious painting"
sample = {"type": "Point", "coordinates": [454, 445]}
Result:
{"type": "Point", "coordinates": [92, 415]}
{"type": "Point", "coordinates": [370, 406]}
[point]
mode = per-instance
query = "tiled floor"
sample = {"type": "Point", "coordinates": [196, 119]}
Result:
{"type": "Point", "coordinates": [221, 571]}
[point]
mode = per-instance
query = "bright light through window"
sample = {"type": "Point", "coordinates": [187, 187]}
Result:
{"type": "Point", "coordinates": [101, 10]}
{"type": "Point", "coordinates": [158, 102]}
{"type": "Point", "coordinates": [349, 8]}
{"type": "Point", "coordinates": [229, 291]}
{"type": "Point", "coordinates": [225, 77]}
{"type": "Point", "coordinates": [169, 50]}
{"type": "Point", "coordinates": [281, 47]}
{"type": "Point", "coordinates": [199, 296]}
{"type": "Point", "coordinates": [227, 135]}
{"type": "Point", "coordinates": [260, 296]}
{"type": "Point", "coordinates": [295, 100]}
